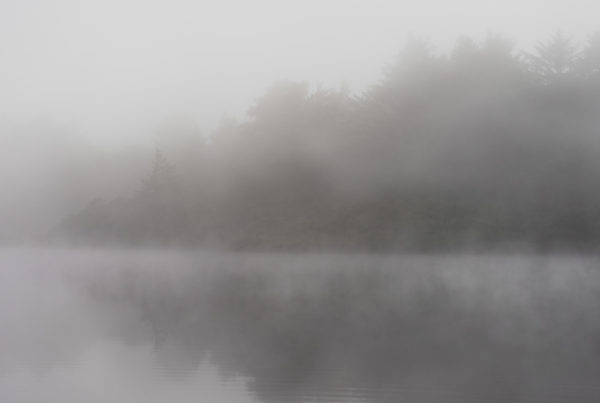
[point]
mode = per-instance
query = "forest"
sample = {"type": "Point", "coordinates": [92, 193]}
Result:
{"type": "Point", "coordinates": [482, 148]}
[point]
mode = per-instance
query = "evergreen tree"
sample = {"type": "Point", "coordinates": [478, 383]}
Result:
{"type": "Point", "coordinates": [554, 59]}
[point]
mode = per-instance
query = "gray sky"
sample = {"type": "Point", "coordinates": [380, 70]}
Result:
{"type": "Point", "coordinates": [112, 70]}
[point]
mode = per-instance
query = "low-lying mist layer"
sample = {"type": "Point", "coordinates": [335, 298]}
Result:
{"type": "Point", "coordinates": [481, 148]}
{"type": "Point", "coordinates": [308, 327]}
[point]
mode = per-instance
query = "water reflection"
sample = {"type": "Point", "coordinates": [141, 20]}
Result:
{"type": "Point", "coordinates": [272, 328]}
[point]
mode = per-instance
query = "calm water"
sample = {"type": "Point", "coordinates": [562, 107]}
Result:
{"type": "Point", "coordinates": [147, 326]}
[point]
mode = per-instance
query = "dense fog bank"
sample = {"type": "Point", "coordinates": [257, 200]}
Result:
{"type": "Point", "coordinates": [485, 147]}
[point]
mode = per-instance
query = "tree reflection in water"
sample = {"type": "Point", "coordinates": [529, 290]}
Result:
{"type": "Point", "coordinates": [374, 328]}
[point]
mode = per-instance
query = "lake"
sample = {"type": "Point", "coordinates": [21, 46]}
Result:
{"type": "Point", "coordinates": [179, 326]}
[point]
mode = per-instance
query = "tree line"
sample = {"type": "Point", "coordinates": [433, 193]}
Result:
{"type": "Point", "coordinates": [483, 147]}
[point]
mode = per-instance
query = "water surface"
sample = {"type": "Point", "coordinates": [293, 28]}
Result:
{"type": "Point", "coordinates": [155, 326]}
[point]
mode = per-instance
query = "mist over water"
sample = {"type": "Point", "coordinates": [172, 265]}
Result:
{"type": "Point", "coordinates": [104, 326]}
{"type": "Point", "coordinates": [268, 201]}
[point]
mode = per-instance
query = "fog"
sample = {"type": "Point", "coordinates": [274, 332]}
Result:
{"type": "Point", "coordinates": [149, 326]}
{"type": "Point", "coordinates": [91, 90]}
{"type": "Point", "coordinates": [482, 147]}
{"type": "Point", "coordinates": [113, 70]}
{"type": "Point", "coordinates": [262, 201]}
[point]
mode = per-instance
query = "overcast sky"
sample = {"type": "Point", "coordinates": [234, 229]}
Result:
{"type": "Point", "coordinates": [112, 70]}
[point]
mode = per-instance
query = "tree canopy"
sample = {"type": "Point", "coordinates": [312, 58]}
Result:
{"type": "Point", "coordinates": [483, 147]}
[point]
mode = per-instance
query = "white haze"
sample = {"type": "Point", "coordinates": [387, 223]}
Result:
{"type": "Point", "coordinates": [88, 326]}
{"type": "Point", "coordinates": [82, 81]}
{"type": "Point", "coordinates": [113, 70]}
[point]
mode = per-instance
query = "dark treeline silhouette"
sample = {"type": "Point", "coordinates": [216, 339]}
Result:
{"type": "Point", "coordinates": [482, 148]}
